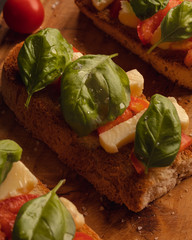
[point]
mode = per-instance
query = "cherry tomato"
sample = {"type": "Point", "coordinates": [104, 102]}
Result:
{"type": "Point", "coordinates": [186, 141]}
{"type": "Point", "coordinates": [23, 16]}
{"type": "Point", "coordinates": [146, 28]}
{"type": "Point", "coordinates": [82, 236]}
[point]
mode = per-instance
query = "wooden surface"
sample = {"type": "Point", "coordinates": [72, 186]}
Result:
{"type": "Point", "coordinates": [167, 218]}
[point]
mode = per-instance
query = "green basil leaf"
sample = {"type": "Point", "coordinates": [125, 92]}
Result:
{"type": "Point", "coordinates": [10, 152]}
{"type": "Point", "coordinates": [44, 218]}
{"type": "Point", "coordinates": [94, 90]}
{"type": "Point", "coordinates": [42, 59]}
{"type": "Point", "coordinates": [176, 25]}
{"type": "Point", "coordinates": [158, 133]}
{"type": "Point", "coordinates": [146, 8]}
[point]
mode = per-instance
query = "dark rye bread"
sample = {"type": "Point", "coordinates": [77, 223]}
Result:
{"type": "Point", "coordinates": [169, 63]}
{"type": "Point", "coordinates": [112, 174]}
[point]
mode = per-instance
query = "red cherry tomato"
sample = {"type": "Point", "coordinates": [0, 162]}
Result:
{"type": "Point", "coordinates": [23, 16]}
{"type": "Point", "coordinates": [82, 236]}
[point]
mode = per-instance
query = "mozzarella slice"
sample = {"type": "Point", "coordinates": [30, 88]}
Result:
{"type": "Point", "coordinates": [101, 4]}
{"type": "Point", "coordinates": [76, 55]}
{"type": "Point", "coordinates": [77, 216]}
{"type": "Point", "coordinates": [18, 181]}
{"type": "Point", "coordinates": [136, 82]}
{"type": "Point", "coordinates": [120, 134]}
{"type": "Point", "coordinates": [127, 15]}
{"type": "Point", "coordinates": [183, 116]}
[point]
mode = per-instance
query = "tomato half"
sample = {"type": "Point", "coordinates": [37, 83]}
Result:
{"type": "Point", "coordinates": [82, 236]}
{"type": "Point", "coordinates": [23, 16]}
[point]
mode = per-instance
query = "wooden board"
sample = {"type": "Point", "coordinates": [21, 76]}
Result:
{"type": "Point", "coordinates": [169, 217]}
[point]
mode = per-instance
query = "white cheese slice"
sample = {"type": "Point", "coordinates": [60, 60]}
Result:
{"type": "Point", "coordinates": [77, 216]}
{"type": "Point", "coordinates": [127, 16]}
{"type": "Point", "coordinates": [183, 116]}
{"type": "Point", "coordinates": [18, 181]}
{"type": "Point", "coordinates": [76, 55]}
{"type": "Point", "coordinates": [101, 4]}
{"type": "Point", "coordinates": [120, 134]}
{"type": "Point", "coordinates": [136, 82]}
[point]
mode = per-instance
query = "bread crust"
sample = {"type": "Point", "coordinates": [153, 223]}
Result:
{"type": "Point", "coordinates": [170, 63]}
{"type": "Point", "coordinates": [112, 174]}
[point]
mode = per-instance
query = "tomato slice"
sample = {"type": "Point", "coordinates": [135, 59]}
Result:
{"type": "Point", "coordinates": [8, 212]}
{"type": "Point", "coordinates": [186, 141]}
{"type": "Point", "coordinates": [82, 236]}
{"type": "Point", "coordinates": [138, 165]}
{"type": "Point", "coordinates": [146, 28]}
{"type": "Point", "coordinates": [138, 104]}
{"type": "Point", "coordinates": [115, 8]}
{"type": "Point", "coordinates": [125, 116]}
{"type": "Point", "coordinates": [75, 49]}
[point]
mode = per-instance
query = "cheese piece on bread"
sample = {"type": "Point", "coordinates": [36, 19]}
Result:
{"type": "Point", "coordinates": [112, 174]}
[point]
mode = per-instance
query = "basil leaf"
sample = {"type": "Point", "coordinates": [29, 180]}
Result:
{"type": "Point", "coordinates": [94, 90]}
{"type": "Point", "coordinates": [146, 8]}
{"type": "Point", "coordinates": [44, 218]}
{"type": "Point", "coordinates": [158, 133]}
{"type": "Point", "coordinates": [42, 59]}
{"type": "Point", "coordinates": [10, 152]}
{"type": "Point", "coordinates": [176, 25]}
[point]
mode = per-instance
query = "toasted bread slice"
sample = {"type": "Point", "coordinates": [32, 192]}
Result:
{"type": "Point", "coordinates": [112, 174]}
{"type": "Point", "coordinates": [167, 62]}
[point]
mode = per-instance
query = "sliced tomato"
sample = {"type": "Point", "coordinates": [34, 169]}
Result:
{"type": "Point", "coordinates": [138, 165]}
{"type": "Point", "coordinates": [115, 8]}
{"type": "Point", "coordinates": [8, 212]}
{"type": "Point", "coordinates": [82, 236]}
{"type": "Point", "coordinates": [146, 28]}
{"type": "Point", "coordinates": [138, 104]}
{"type": "Point", "coordinates": [75, 49]}
{"type": "Point", "coordinates": [125, 116]}
{"type": "Point", "coordinates": [186, 141]}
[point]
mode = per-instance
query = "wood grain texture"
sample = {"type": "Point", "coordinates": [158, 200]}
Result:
{"type": "Point", "coordinates": [169, 217]}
